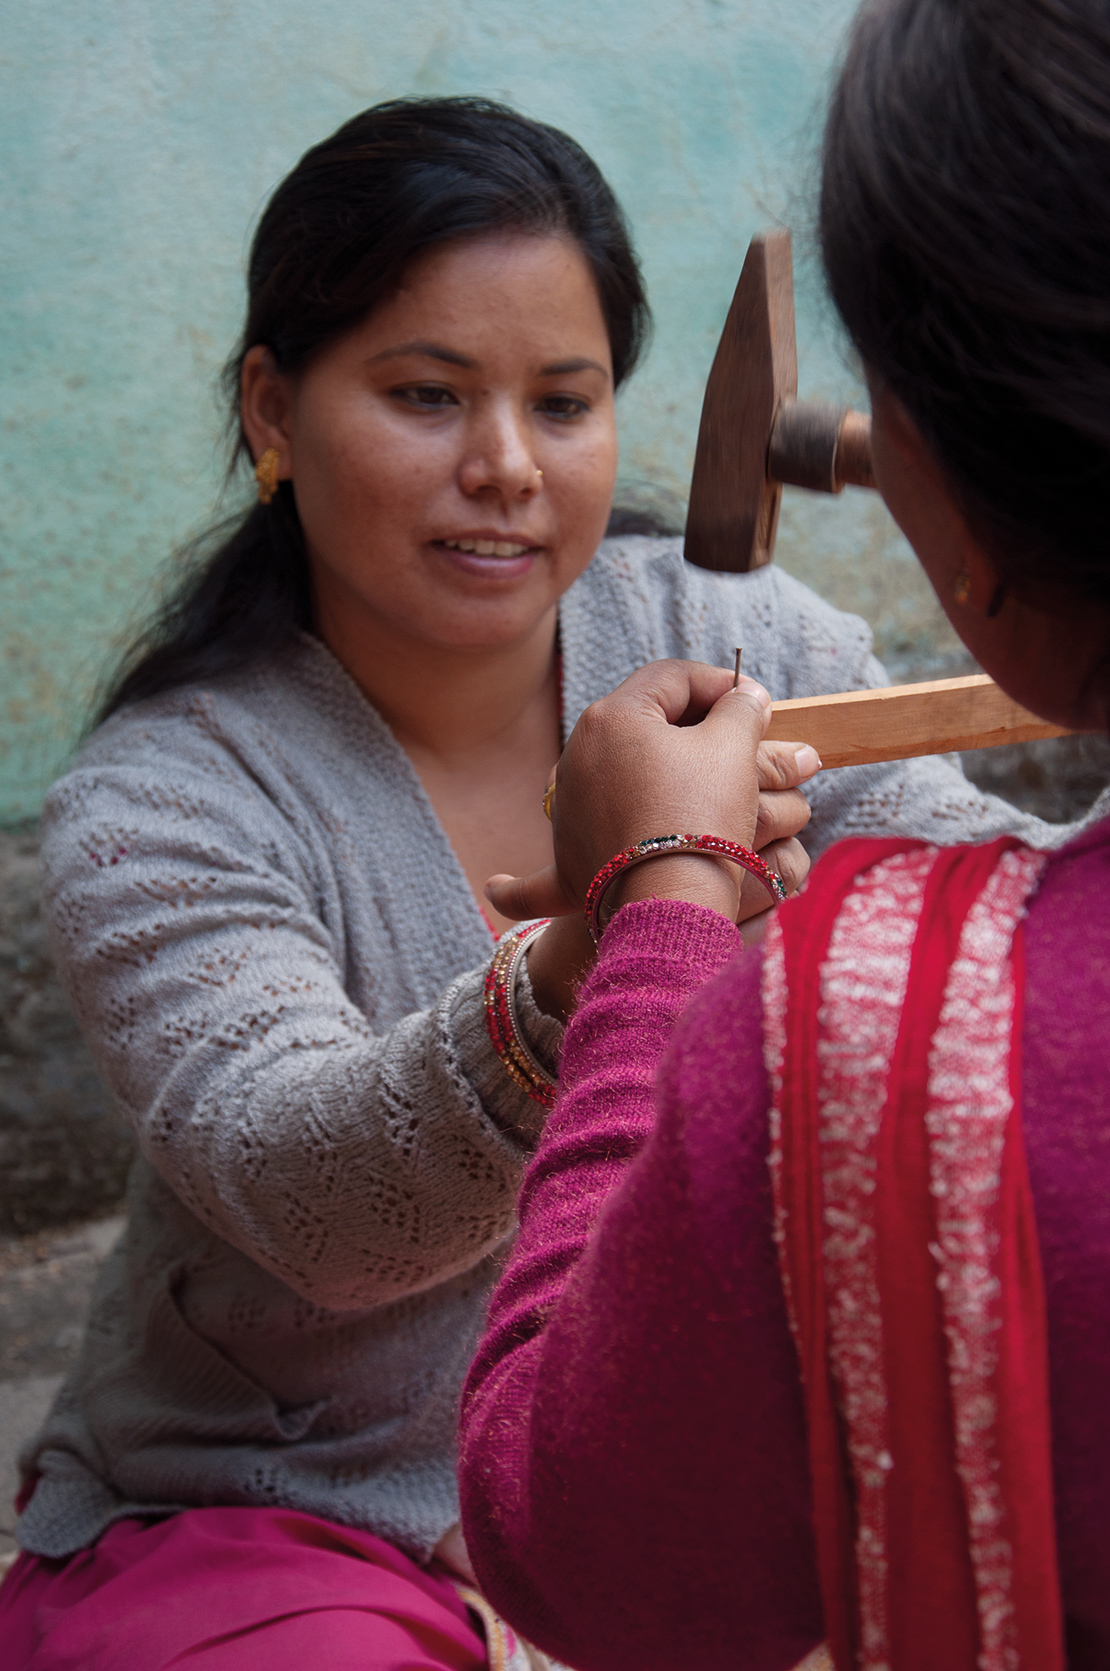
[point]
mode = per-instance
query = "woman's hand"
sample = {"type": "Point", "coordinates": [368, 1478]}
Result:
{"type": "Point", "coordinates": [675, 748]}
{"type": "Point", "coordinates": [559, 960]}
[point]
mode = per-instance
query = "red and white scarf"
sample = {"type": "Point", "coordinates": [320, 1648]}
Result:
{"type": "Point", "coordinates": [892, 1012]}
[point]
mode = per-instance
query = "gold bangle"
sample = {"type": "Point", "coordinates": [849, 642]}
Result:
{"type": "Point", "coordinates": [503, 1023]}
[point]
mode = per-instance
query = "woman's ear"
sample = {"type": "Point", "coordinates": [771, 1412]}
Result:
{"type": "Point", "coordinates": [264, 408]}
{"type": "Point", "coordinates": [977, 586]}
{"type": "Point", "coordinates": [921, 500]}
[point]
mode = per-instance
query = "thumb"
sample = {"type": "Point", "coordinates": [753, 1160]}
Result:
{"type": "Point", "coordinates": [538, 895]}
{"type": "Point", "coordinates": [747, 704]}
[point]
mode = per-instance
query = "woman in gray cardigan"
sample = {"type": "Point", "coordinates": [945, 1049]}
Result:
{"type": "Point", "coordinates": [265, 874]}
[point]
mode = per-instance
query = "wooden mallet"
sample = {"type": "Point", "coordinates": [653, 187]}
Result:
{"type": "Point", "coordinates": [755, 435]}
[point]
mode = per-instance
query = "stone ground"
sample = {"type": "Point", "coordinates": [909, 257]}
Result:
{"type": "Point", "coordinates": [64, 1152]}
{"type": "Point", "coordinates": [45, 1283]}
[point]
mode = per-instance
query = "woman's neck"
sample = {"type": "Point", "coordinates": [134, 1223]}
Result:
{"type": "Point", "coordinates": [481, 728]}
{"type": "Point", "coordinates": [445, 703]}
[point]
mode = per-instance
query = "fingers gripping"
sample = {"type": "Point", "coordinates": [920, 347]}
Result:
{"type": "Point", "coordinates": [634, 768]}
{"type": "Point", "coordinates": [786, 765]}
{"type": "Point", "coordinates": [783, 809]}
{"type": "Point", "coordinates": [791, 861]}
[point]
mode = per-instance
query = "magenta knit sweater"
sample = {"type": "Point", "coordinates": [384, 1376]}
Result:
{"type": "Point", "coordinates": [634, 1471]}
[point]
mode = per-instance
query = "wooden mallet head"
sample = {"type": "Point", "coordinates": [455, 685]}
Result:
{"type": "Point", "coordinates": [755, 433]}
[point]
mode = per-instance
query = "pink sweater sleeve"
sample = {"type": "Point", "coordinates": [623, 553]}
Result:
{"type": "Point", "coordinates": [633, 1463]}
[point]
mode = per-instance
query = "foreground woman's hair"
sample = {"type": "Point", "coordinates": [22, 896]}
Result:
{"type": "Point", "coordinates": [965, 226]}
{"type": "Point", "coordinates": [333, 242]}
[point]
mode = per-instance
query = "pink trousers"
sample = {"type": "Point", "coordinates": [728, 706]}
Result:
{"type": "Point", "coordinates": [234, 1589]}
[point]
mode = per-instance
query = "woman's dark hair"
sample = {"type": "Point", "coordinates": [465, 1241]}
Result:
{"type": "Point", "coordinates": [965, 227]}
{"type": "Point", "coordinates": [333, 242]}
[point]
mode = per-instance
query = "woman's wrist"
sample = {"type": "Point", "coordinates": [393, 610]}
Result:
{"type": "Point", "coordinates": [558, 961]}
{"type": "Point", "coordinates": [697, 878]}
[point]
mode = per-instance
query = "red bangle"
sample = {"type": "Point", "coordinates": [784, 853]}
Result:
{"type": "Point", "coordinates": [501, 1017]}
{"type": "Point", "coordinates": [655, 847]}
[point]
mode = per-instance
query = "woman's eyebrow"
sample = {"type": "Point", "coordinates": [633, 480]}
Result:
{"type": "Point", "coordinates": [566, 368]}
{"type": "Point", "coordinates": [451, 357]}
{"type": "Point", "coordinates": [431, 350]}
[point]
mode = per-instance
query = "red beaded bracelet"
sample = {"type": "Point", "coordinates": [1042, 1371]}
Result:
{"type": "Point", "coordinates": [655, 847]}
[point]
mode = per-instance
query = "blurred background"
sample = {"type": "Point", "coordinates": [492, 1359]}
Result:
{"type": "Point", "coordinates": [140, 141]}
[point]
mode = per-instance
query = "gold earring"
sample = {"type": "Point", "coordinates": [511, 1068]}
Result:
{"type": "Point", "coordinates": [266, 474]}
{"type": "Point", "coordinates": [539, 473]}
{"type": "Point", "coordinates": [962, 589]}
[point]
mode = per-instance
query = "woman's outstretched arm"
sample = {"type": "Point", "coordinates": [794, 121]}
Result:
{"type": "Point", "coordinates": [634, 1474]}
{"type": "Point", "coordinates": [358, 1162]}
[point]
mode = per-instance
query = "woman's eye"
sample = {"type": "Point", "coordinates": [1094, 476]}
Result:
{"type": "Point", "coordinates": [564, 406]}
{"type": "Point", "coordinates": [426, 397]}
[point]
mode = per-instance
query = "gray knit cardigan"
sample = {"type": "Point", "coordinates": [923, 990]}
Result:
{"type": "Point", "coordinates": [278, 962]}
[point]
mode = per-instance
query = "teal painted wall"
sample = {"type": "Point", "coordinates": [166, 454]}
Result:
{"type": "Point", "coordinates": [139, 142]}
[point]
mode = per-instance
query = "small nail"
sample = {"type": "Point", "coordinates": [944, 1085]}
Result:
{"type": "Point", "coordinates": [487, 893]}
{"type": "Point", "coordinates": [808, 760]}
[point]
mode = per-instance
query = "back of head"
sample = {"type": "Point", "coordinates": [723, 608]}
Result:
{"type": "Point", "coordinates": [334, 242]}
{"type": "Point", "coordinates": [965, 226]}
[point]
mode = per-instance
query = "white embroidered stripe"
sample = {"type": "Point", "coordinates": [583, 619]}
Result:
{"type": "Point", "coordinates": [969, 1104]}
{"type": "Point", "coordinates": [863, 983]}
{"type": "Point", "coordinates": [774, 990]}
{"type": "Point", "coordinates": [863, 987]}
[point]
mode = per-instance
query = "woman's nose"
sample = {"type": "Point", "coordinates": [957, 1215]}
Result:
{"type": "Point", "coordinates": [499, 457]}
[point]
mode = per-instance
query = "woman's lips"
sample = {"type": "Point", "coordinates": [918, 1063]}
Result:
{"type": "Point", "coordinates": [497, 559]}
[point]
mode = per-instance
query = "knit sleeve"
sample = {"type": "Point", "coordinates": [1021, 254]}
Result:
{"type": "Point", "coordinates": [633, 1456]}
{"type": "Point", "coordinates": [356, 1165]}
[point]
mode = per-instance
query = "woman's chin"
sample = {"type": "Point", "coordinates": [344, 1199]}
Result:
{"type": "Point", "coordinates": [472, 601]}
{"type": "Point", "coordinates": [477, 625]}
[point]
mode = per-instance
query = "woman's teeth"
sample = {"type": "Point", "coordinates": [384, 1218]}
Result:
{"type": "Point", "coordinates": [487, 548]}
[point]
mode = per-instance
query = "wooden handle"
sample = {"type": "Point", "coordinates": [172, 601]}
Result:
{"type": "Point", "coordinates": [853, 451]}
{"type": "Point", "coordinates": [898, 722]}
{"type": "Point", "coordinates": [816, 445]}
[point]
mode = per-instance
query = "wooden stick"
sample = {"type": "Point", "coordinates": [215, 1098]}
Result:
{"type": "Point", "coordinates": [858, 727]}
